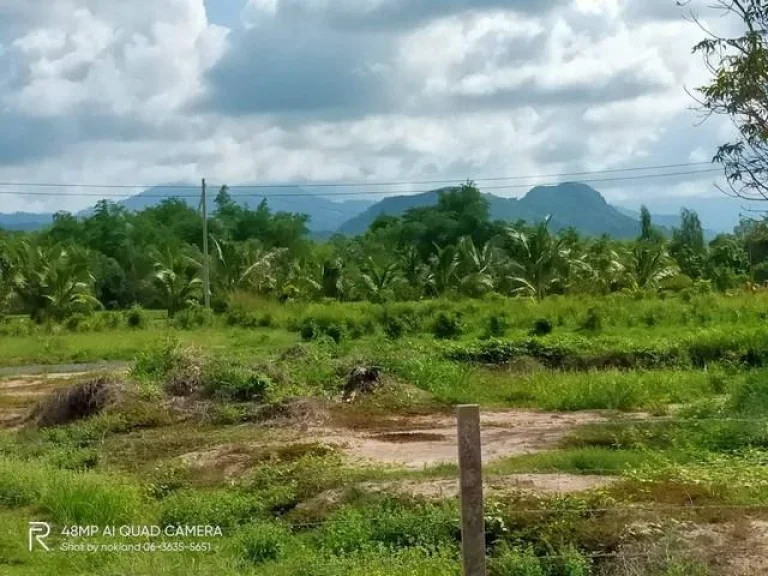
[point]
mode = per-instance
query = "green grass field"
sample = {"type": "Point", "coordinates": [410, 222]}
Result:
{"type": "Point", "coordinates": [236, 421]}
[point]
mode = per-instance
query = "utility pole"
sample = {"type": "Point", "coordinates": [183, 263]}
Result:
{"type": "Point", "coordinates": [206, 261]}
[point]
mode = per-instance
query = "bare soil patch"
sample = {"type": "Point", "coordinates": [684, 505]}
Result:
{"type": "Point", "coordinates": [497, 485]}
{"type": "Point", "coordinates": [426, 440]}
{"type": "Point", "coordinates": [734, 548]}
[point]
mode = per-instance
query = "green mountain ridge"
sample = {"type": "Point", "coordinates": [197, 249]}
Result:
{"type": "Point", "coordinates": [571, 204]}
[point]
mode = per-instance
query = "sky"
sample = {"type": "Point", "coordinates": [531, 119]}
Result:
{"type": "Point", "coordinates": [246, 91]}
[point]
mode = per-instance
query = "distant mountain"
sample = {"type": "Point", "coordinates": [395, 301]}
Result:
{"type": "Point", "coordinates": [326, 216]}
{"type": "Point", "coordinates": [665, 221]}
{"type": "Point", "coordinates": [24, 221]}
{"type": "Point", "coordinates": [717, 213]}
{"type": "Point", "coordinates": [570, 205]}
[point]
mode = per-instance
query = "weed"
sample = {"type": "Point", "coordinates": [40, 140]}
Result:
{"type": "Point", "coordinates": [447, 326]}
{"type": "Point", "coordinates": [541, 327]}
{"type": "Point", "coordinates": [136, 318]}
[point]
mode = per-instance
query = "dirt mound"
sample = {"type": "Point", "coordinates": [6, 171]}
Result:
{"type": "Point", "coordinates": [361, 380]}
{"type": "Point", "coordinates": [76, 403]}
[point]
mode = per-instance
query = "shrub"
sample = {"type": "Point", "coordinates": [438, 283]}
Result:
{"type": "Point", "coordinates": [752, 396]}
{"type": "Point", "coordinates": [394, 327]}
{"type": "Point", "coordinates": [156, 363]}
{"type": "Point", "coordinates": [195, 316]}
{"type": "Point", "coordinates": [676, 283]}
{"type": "Point", "coordinates": [226, 508]}
{"type": "Point", "coordinates": [511, 562]}
{"type": "Point", "coordinates": [496, 326]}
{"type": "Point", "coordinates": [312, 328]}
{"type": "Point", "coordinates": [136, 318]}
{"type": "Point", "coordinates": [309, 330]}
{"type": "Point", "coordinates": [232, 382]}
{"type": "Point", "coordinates": [447, 326]}
{"type": "Point", "coordinates": [541, 327]}
{"type": "Point", "coordinates": [111, 320]}
{"type": "Point", "coordinates": [168, 478]}
{"type": "Point", "coordinates": [76, 322]}
{"type": "Point", "coordinates": [593, 321]}
{"type": "Point", "coordinates": [760, 273]}
{"type": "Point", "coordinates": [263, 542]}
{"type": "Point", "coordinates": [239, 314]}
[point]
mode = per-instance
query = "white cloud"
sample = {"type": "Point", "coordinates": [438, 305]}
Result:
{"type": "Point", "coordinates": [109, 91]}
{"type": "Point", "coordinates": [146, 61]}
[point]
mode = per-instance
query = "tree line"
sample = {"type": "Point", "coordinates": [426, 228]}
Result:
{"type": "Point", "coordinates": [115, 259]}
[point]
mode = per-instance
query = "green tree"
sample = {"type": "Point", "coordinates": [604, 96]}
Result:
{"type": "Point", "coordinates": [54, 283]}
{"type": "Point", "coordinates": [687, 246]}
{"type": "Point", "coordinates": [541, 263]}
{"type": "Point", "coordinates": [727, 263]}
{"type": "Point", "coordinates": [739, 89]}
{"type": "Point", "coordinates": [176, 280]}
{"type": "Point", "coordinates": [648, 263]}
{"type": "Point", "coordinates": [379, 280]}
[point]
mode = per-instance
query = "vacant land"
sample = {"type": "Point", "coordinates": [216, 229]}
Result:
{"type": "Point", "coordinates": [622, 436]}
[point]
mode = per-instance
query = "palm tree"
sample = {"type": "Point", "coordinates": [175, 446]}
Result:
{"type": "Point", "coordinates": [606, 269]}
{"type": "Point", "coordinates": [378, 280]}
{"type": "Point", "coordinates": [53, 283]}
{"type": "Point", "coordinates": [443, 271]}
{"type": "Point", "coordinates": [648, 263]}
{"type": "Point", "coordinates": [476, 266]}
{"type": "Point", "coordinates": [542, 261]}
{"type": "Point", "coordinates": [241, 266]}
{"type": "Point", "coordinates": [176, 280]}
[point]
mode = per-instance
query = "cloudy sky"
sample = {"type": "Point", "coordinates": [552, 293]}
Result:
{"type": "Point", "coordinates": [244, 91]}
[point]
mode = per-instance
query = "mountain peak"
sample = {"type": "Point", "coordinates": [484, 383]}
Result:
{"type": "Point", "coordinates": [576, 194]}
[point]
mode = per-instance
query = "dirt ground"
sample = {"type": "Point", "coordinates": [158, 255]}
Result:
{"type": "Point", "coordinates": [429, 440]}
{"type": "Point", "coordinates": [19, 394]}
{"type": "Point", "coordinates": [496, 485]}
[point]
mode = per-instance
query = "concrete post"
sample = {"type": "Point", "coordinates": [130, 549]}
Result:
{"type": "Point", "coordinates": [471, 481]}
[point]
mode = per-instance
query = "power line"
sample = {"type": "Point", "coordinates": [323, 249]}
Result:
{"type": "Point", "coordinates": [354, 184]}
{"type": "Point", "coordinates": [356, 193]}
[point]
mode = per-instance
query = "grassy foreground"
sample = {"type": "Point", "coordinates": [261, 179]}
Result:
{"type": "Point", "coordinates": [201, 431]}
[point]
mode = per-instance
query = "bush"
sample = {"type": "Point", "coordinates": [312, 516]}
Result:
{"type": "Point", "coordinates": [593, 321]}
{"type": "Point", "coordinates": [447, 326]}
{"type": "Point", "coordinates": [264, 542]}
{"type": "Point", "coordinates": [239, 314]}
{"type": "Point", "coordinates": [752, 396]}
{"type": "Point", "coordinates": [676, 283]}
{"type": "Point", "coordinates": [195, 316]}
{"type": "Point", "coordinates": [159, 361]}
{"type": "Point", "coordinates": [312, 328]}
{"type": "Point", "coordinates": [232, 382]}
{"type": "Point", "coordinates": [760, 273]}
{"type": "Point", "coordinates": [496, 327]}
{"type": "Point", "coordinates": [76, 322]}
{"type": "Point", "coordinates": [111, 320]}
{"type": "Point", "coordinates": [510, 562]}
{"type": "Point", "coordinates": [225, 508]}
{"type": "Point", "coordinates": [541, 327]}
{"type": "Point", "coordinates": [394, 327]}
{"type": "Point", "coordinates": [309, 330]}
{"type": "Point", "coordinates": [136, 318]}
